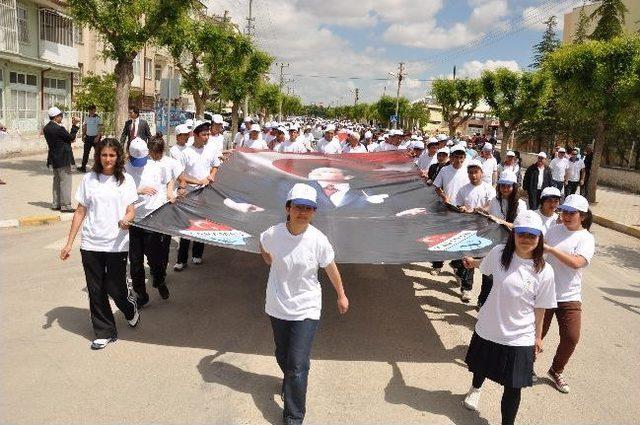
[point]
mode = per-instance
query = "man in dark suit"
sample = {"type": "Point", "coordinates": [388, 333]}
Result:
{"type": "Point", "coordinates": [536, 178]}
{"type": "Point", "coordinates": [60, 157]}
{"type": "Point", "coordinates": [134, 127]}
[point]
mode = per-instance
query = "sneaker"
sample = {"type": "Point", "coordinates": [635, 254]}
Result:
{"type": "Point", "coordinates": [558, 381]}
{"type": "Point", "coordinates": [67, 209]}
{"type": "Point", "coordinates": [141, 301]}
{"type": "Point", "coordinates": [163, 291]}
{"type": "Point", "coordinates": [534, 377]}
{"type": "Point", "coordinates": [100, 343]}
{"type": "Point", "coordinates": [465, 296]}
{"type": "Point", "coordinates": [196, 260]}
{"type": "Point", "coordinates": [178, 267]}
{"type": "Point", "coordinates": [135, 320]}
{"type": "Point", "coordinates": [472, 399]}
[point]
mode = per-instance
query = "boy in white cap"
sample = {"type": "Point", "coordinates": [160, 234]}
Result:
{"type": "Point", "coordinates": [255, 140]}
{"type": "Point", "coordinates": [549, 202]}
{"type": "Point", "coordinates": [353, 144]}
{"type": "Point", "coordinates": [477, 194]}
{"type": "Point", "coordinates": [575, 173]}
{"type": "Point", "coordinates": [559, 166]}
{"type": "Point", "coordinates": [216, 136]}
{"type": "Point", "coordinates": [292, 145]}
{"type": "Point", "coordinates": [509, 164]}
{"type": "Point", "coordinates": [489, 164]}
{"type": "Point", "coordinates": [329, 144]}
{"type": "Point", "coordinates": [183, 133]}
{"type": "Point", "coordinates": [428, 156]}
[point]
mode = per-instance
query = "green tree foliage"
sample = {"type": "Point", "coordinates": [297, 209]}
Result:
{"type": "Point", "coordinates": [549, 43]}
{"type": "Point", "coordinates": [98, 90]}
{"type": "Point", "coordinates": [597, 81]}
{"type": "Point", "coordinates": [125, 27]}
{"type": "Point", "coordinates": [291, 105]}
{"type": "Point", "coordinates": [417, 115]}
{"type": "Point", "coordinates": [266, 99]}
{"type": "Point", "coordinates": [610, 15]}
{"type": "Point", "coordinates": [513, 96]}
{"type": "Point", "coordinates": [386, 106]}
{"type": "Point", "coordinates": [582, 27]}
{"type": "Point", "coordinates": [458, 99]}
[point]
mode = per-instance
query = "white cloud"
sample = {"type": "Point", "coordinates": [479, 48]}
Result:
{"type": "Point", "coordinates": [473, 69]}
{"type": "Point", "coordinates": [534, 17]}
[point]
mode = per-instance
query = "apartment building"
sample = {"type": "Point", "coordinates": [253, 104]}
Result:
{"type": "Point", "coordinates": [571, 19]}
{"type": "Point", "coordinates": [480, 122]}
{"type": "Point", "coordinates": [38, 59]}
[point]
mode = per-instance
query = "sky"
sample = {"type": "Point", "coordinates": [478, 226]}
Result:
{"type": "Point", "coordinates": [333, 47]}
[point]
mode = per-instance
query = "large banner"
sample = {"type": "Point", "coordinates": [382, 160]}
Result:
{"type": "Point", "coordinates": [374, 208]}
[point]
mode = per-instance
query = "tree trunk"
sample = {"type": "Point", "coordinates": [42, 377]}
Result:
{"type": "Point", "coordinates": [234, 118]}
{"type": "Point", "coordinates": [598, 146]}
{"type": "Point", "coordinates": [124, 75]}
{"type": "Point", "coordinates": [504, 145]}
{"type": "Point", "coordinates": [452, 127]}
{"type": "Point", "coordinates": [199, 102]}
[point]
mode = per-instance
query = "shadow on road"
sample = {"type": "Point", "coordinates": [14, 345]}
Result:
{"type": "Point", "coordinates": [621, 256]}
{"type": "Point", "coordinates": [33, 166]}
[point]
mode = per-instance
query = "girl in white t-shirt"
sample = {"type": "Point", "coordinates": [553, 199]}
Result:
{"type": "Point", "coordinates": [569, 248]}
{"type": "Point", "coordinates": [106, 198]}
{"type": "Point", "coordinates": [294, 250]}
{"type": "Point", "coordinates": [508, 334]}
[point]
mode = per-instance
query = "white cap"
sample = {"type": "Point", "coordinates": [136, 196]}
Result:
{"type": "Point", "coordinates": [293, 127]}
{"type": "Point", "coordinates": [217, 119]}
{"type": "Point", "coordinates": [247, 119]}
{"type": "Point", "coordinates": [528, 221]}
{"type": "Point", "coordinates": [182, 129]}
{"type": "Point", "coordinates": [542, 155]}
{"type": "Point", "coordinates": [282, 129]}
{"type": "Point", "coordinates": [457, 148]}
{"type": "Point", "coordinates": [189, 123]}
{"type": "Point", "coordinates": [450, 143]}
{"type": "Point", "coordinates": [443, 150]}
{"type": "Point", "coordinates": [487, 147]}
{"type": "Point", "coordinates": [507, 177]}
{"type": "Point", "coordinates": [441, 137]}
{"type": "Point", "coordinates": [255, 127]}
{"type": "Point", "coordinates": [550, 191]}
{"type": "Point", "coordinates": [54, 111]}
{"type": "Point", "coordinates": [511, 153]}
{"type": "Point", "coordinates": [396, 132]}
{"type": "Point", "coordinates": [575, 202]}
{"type": "Point", "coordinates": [562, 150]}
{"type": "Point", "coordinates": [418, 144]}
{"type": "Point", "coordinates": [474, 163]}
{"type": "Point", "coordinates": [461, 143]}
{"type": "Point", "coordinates": [368, 135]}
{"type": "Point", "coordinates": [330, 127]}
{"type": "Point", "coordinates": [138, 152]}
{"type": "Point", "coordinates": [431, 141]}
{"type": "Point", "coordinates": [303, 194]}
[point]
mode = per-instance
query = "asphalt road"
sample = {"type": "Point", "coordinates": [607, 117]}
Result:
{"type": "Point", "coordinates": [205, 355]}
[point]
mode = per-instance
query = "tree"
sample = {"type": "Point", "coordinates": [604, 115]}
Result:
{"type": "Point", "coordinates": [513, 96]}
{"type": "Point", "coordinates": [458, 99]}
{"type": "Point", "coordinates": [125, 27]}
{"type": "Point", "coordinates": [582, 27]}
{"type": "Point", "coordinates": [386, 106]}
{"type": "Point", "coordinates": [266, 99]}
{"type": "Point", "coordinates": [549, 43]}
{"type": "Point", "coordinates": [98, 90]}
{"type": "Point", "coordinates": [291, 105]}
{"type": "Point", "coordinates": [597, 81]}
{"type": "Point", "coordinates": [610, 14]}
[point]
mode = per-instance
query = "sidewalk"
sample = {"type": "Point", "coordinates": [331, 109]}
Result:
{"type": "Point", "coordinates": [28, 193]}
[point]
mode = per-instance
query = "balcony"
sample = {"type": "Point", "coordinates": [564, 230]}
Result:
{"type": "Point", "coordinates": [56, 39]}
{"type": "Point", "coordinates": [58, 53]}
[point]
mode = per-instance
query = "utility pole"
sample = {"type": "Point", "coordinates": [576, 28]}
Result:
{"type": "Point", "coordinates": [357, 97]}
{"type": "Point", "coordinates": [282, 67]}
{"type": "Point", "coordinates": [399, 76]}
{"type": "Point", "coordinates": [249, 33]}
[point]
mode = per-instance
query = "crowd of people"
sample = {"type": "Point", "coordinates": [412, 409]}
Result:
{"type": "Point", "coordinates": [535, 275]}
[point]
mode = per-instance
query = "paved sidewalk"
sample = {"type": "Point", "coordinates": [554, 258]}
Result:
{"type": "Point", "coordinates": [28, 192]}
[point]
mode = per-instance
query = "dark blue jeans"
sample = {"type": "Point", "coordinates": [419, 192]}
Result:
{"type": "Point", "coordinates": [293, 353]}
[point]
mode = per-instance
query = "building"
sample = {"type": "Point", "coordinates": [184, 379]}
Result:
{"type": "Point", "coordinates": [571, 19]}
{"type": "Point", "coordinates": [481, 121]}
{"type": "Point", "coordinates": [38, 59]}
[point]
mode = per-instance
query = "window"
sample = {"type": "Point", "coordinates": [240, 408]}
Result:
{"type": "Point", "coordinates": [55, 28]}
{"type": "Point", "coordinates": [1, 94]}
{"type": "Point", "coordinates": [54, 99]}
{"type": "Point", "coordinates": [23, 27]}
{"type": "Point", "coordinates": [136, 65]}
{"type": "Point", "coordinates": [158, 75]}
{"type": "Point", "coordinates": [20, 78]}
{"type": "Point", "coordinates": [148, 69]}
{"type": "Point", "coordinates": [25, 102]}
{"type": "Point", "coordinates": [54, 83]}
{"type": "Point", "coordinates": [77, 33]}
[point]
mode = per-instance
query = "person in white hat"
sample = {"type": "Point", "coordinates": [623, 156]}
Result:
{"type": "Point", "coordinates": [508, 334]}
{"type": "Point", "coordinates": [294, 144]}
{"type": "Point", "coordinates": [536, 179]}
{"type": "Point", "coordinates": [428, 156]}
{"type": "Point", "coordinates": [329, 144]}
{"type": "Point", "coordinates": [255, 139]}
{"type": "Point", "coordinates": [549, 202]}
{"type": "Point", "coordinates": [570, 247]}
{"type": "Point", "coordinates": [153, 192]}
{"type": "Point", "coordinates": [60, 157]}
{"type": "Point", "coordinates": [106, 198]}
{"type": "Point", "coordinates": [281, 136]}
{"type": "Point", "coordinates": [242, 136]}
{"type": "Point", "coordinates": [510, 164]}
{"type": "Point", "coordinates": [489, 164]}
{"type": "Point", "coordinates": [373, 145]}
{"type": "Point", "coordinates": [415, 150]}
{"type": "Point", "coordinates": [442, 160]}
{"type": "Point", "coordinates": [559, 166]}
{"type": "Point", "coordinates": [216, 134]}
{"type": "Point", "coordinates": [353, 144]}
{"type": "Point", "coordinates": [575, 173]}
{"type": "Point", "coordinates": [390, 143]}
{"type": "Point", "coordinates": [183, 133]}
{"type": "Point", "coordinates": [294, 250]}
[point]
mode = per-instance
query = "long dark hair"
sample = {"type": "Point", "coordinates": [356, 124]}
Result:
{"type": "Point", "coordinates": [118, 171]}
{"type": "Point", "coordinates": [587, 219]}
{"type": "Point", "coordinates": [512, 203]}
{"type": "Point", "coordinates": [510, 249]}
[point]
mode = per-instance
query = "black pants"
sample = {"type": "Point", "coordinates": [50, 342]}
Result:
{"type": "Point", "coordinates": [153, 245]}
{"type": "Point", "coordinates": [572, 187]}
{"type": "Point", "coordinates": [534, 199]}
{"type": "Point", "coordinates": [183, 250]}
{"type": "Point", "coordinates": [293, 341]}
{"type": "Point", "coordinates": [88, 144]}
{"type": "Point", "coordinates": [437, 265]}
{"type": "Point", "coordinates": [510, 400]}
{"type": "Point", "coordinates": [106, 274]}
{"type": "Point", "coordinates": [485, 289]}
{"type": "Point", "coordinates": [465, 275]}
{"type": "Point", "coordinates": [583, 190]}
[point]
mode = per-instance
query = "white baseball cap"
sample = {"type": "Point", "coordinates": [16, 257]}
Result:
{"type": "Point", "coordinates": [507, 177]}
{"type": "Point", "coordinates": [562, 150]}
{"type": "Point", "coordinates": [528, 221]}
{"type": "Point", "coordinates": [54, 111]}
{"type": "Point", "coordinates": [282, 129]}
{"type": "Point", "coordinates": [550, 192]}
{"type": "Point", "coordinates": [182, 129]}
{"type": "Point", "coordinates": [397, 132]}
{"type": "Point", "coordinates": [303, 194]}
{"type": "Point", "coordinates": [248, 119]}
{"type": "Point", "coordinates": [432, 141]}
{"type": "Point", "coordinates": [368, 135]}
{"type": "Point", "coordinates": [444, 150]}
{"type": "Point", "coordinates": [255, 127]}
{"type": "Point", "coordinates": [440, 137]}
{"type": "Point", "coordinates": [294, 127]}
{"type": "Point", "coordinates": [330, 127]}
{"type": "Point", "coordinates": [457, 148]}
{"type": "Point", "coordinates": [217, 119]}
{"type": "Point", "coordinates": [542, 155]}
{"type": "Point", "coordinates": [449, 142]}
{"type": "Point", "coordinates": [511, 153]}
{"type": "Point", "coordinates": [138, 152]}
{"type": "Point", "coordinates": [418, 144]}
{"type": "Point", "coordinates": [575, 202]}
{"type": "Point", "coordinates": [189, 123]}
{"type": "Point", "coordinates": [474, 163]}
{"type": "Point", "coordinates": [487, 147]}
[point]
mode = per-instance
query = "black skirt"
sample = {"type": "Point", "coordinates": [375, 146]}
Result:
{"type": "Point", "coordinates": [506, 365]}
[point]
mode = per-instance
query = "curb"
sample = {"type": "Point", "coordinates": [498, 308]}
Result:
{"type": "Point", "coordinates": [618, 227]}
{"type": "Point", "coordinates": [35, 220]}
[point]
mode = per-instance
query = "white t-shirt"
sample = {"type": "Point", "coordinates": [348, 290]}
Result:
{"type": "Point", "coordinates": [475, 196]}
{"type": "Point", "coordinates": [558, 168]}
{"type": "Point", "coordinates": [238, 140]}
{"type": "Point", "coordinates": [489, 166]}
{"type": "Point", "coordinates": [499, 208]}
{"type": "Point", "coordinates": [451, 181]}
{"type": "Point", "coordinates": [293, 289]}
{"type": "Point", "coordinates": [106, 204]}
{"type": "Point", "coordinates": [579, 242]}
{"type": "Point", "coordinates": [373, 146]}
{"type": "Point", "coordinates": [330, 148]}
{"type": "Point", "coordinates": [258, 144]}
{"type": "Point", "coordinates": [360, 148]}
{"type": "Point", "coordinates": [384, 147]}
{"type": "Point", "coordinates": [574, 169]}
{"type": "Point", "coordinates": [508, 315]}
{"type": "Point", "coordinates": [176, 152]}
{"type": "Point", "coordinates": [504, 167]}
{"type": "Point", "coordinates": [289, 146]}
{"type": "Point", "coordinates": [216, 142]}
{"type": "Point", "coordinates": [198, 164]}
{"type": "Point", "coordinates": [424, 160]}
{"type": "Point", "coordinates": [548, 222]}
{"type": "Point", "coordinates": [151, 175]}
{"type": "Point", "coordinates": [540, 178]}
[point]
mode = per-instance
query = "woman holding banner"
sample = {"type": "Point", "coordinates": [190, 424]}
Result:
{"type": "Point", "coordinates": [294, 250]}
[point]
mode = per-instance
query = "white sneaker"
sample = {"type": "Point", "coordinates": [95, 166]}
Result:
{"type": "Point", "coordinates": [178, 267]}
{"type": "Point", "coordinates": [558, 381]}
{"type": "Point", "coordinates": [472, 399]}
{"type": "Point", "coordinates": [100, 343]}
{"type": "Point", "coordinates": [135, 320]}
{"type": "Point", "coordinates": [465, 296]}
{"type": "Point", "coordinates": [196, 260]}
